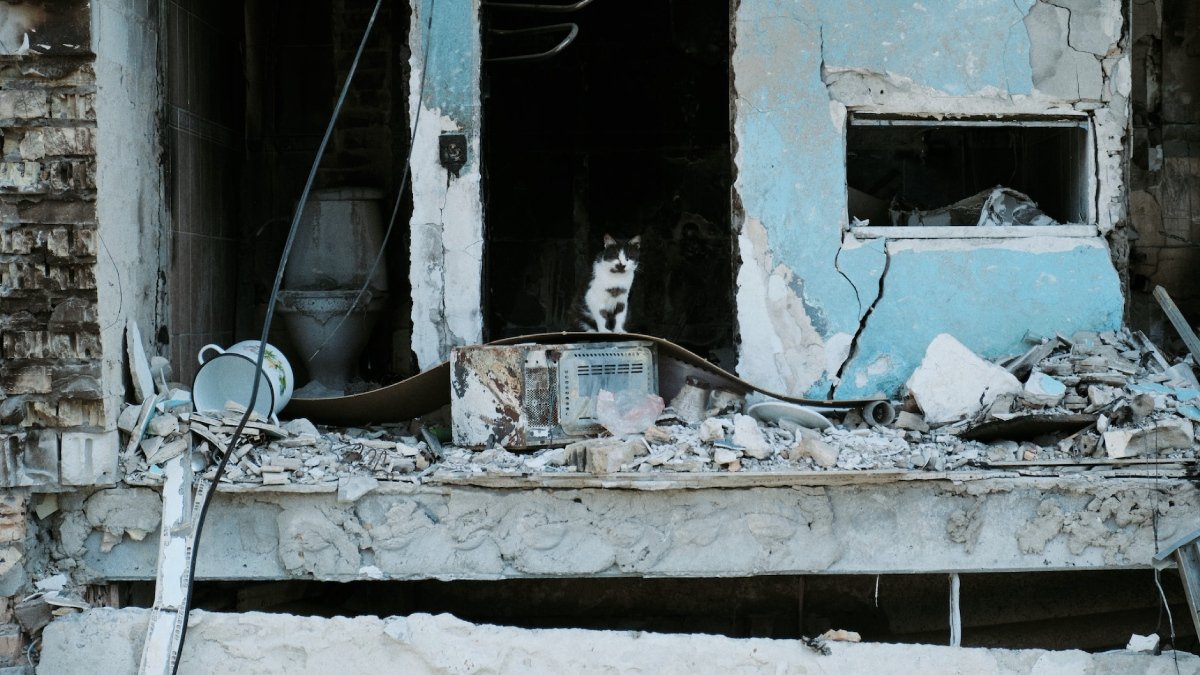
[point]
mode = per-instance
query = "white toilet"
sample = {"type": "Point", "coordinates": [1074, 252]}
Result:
{"type": "Point", "coordinates": [339, 235]}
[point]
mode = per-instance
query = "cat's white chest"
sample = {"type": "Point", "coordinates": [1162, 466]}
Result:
{"type": "Point", "coordinates": [608, 295]}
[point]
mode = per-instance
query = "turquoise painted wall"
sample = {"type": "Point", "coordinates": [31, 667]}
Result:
{"type": "Point", "coordinates": [988, 298]}
{"type": "Point", "coordinates": [452, 77]}
{"type": "Point", "coordinates": [791, 178]}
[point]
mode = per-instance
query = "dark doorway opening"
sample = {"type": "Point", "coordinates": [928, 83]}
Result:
{"type": "Point", "coordinates": [626, 132]}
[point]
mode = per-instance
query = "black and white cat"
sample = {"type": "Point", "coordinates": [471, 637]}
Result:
{"type": "Point", "coordinates": [604, 304]}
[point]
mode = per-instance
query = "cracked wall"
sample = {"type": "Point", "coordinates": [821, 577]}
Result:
{"type": "Point", "coordinates": [798, 70]}
{"type": "Point", "coordinates": [447, 220]}
{"type": "Point", "coordinates": [459, 532]}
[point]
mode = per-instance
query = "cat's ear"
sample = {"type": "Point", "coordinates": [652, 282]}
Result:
{"type": "Point", "coordinates": [609, 241]}
{"type": "Point", "coordinates": [636, 241]}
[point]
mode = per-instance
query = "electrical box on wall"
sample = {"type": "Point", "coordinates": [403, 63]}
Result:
{"type": "Point", "coordinates": [530, 395]}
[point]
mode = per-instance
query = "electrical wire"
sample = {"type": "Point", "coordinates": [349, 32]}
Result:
{"type": "Point", "coordinates": [287, 248]}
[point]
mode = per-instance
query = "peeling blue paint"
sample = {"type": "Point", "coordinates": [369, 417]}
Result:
{"type": "Point", "coordinates": [453, 69]}
{"type": "Point", "coordinates": [955, 47]}
{"type": "Point", "coordinates": [790, 153]}
{"type": "Point", "coordinates": [791, 178]}
{"type": "Point", "coordinates": [987, 298]}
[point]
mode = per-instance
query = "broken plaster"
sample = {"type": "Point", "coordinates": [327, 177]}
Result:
{"type": "Point", "coordinates": [879, 365]}
{"type": "Point", "coordinates": [993, 64]}
{"type": "Point", "coordinates": [780, 349]}
{"type": "Point", "coordinates": [447, 221]}
{"type": "Point", "coordinates": [447, 246]}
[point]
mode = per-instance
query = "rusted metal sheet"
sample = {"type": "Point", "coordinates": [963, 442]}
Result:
{"type": "Point", "coordinates": [485, 386]}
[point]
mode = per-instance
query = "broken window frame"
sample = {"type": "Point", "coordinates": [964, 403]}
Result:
{"type": "Point", "coordinates": [1086, 173]}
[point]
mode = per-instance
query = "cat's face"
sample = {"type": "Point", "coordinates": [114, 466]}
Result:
{"type": "Point", "coordinates": [621, 255]}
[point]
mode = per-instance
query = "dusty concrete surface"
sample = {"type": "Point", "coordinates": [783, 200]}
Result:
{"type": "Point", "coordinates": [659, 528]}
{"type": "Point", "coordinates": [129, 190]}
{"type": "Point", "coordinates": [279, 643]}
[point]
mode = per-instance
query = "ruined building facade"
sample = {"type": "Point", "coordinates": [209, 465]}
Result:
{"type": "Point", "coordinates": [153, 153]}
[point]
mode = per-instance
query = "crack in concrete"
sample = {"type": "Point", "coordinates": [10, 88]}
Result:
{"type": "Point", "coordinates": [862, 324]}
{"type": "Point", "coordinates": [443, 329]}
{"type": "Point", "coordinates": [838, 267]}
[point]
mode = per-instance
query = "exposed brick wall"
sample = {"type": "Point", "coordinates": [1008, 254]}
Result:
{"type": "Point", "coordinates": [13, 531]}
{"type": "Point", "coordinates": [49, 325]}
{"type": "Point", "coordinates": [361, 152]}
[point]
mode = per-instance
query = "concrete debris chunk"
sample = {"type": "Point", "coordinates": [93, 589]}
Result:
{"type": "Point", "coordinates": [545, 458]}
{"type": "Point", "coordinates": [1143, 643]}
{"type": "Point", "coordinates": [163, 424]}
{"type": "Point", "coordinates": [841, 635]}
{"type": "Point", "coordinates": [127, 420]}
{"type": "Point", "coordinates": [749, 436]}
{"type": "Point", "coordinates": [952, 383]}
{"type": "Point", "coordinates": [1100, 396]}
{"type": "Point", "coordinates": [139, 363]}
{"type": "Point", "coordinates": [168, 450]}
{"type": "Point", "coordinates": [821, 453]}
{"type": "Point", "coordinates": [910, 421]}
{"type": "Point", "coordinates": [602, 455]}
{"type": "Point", "coordinates": [725, 456]}
{"type": "Point", "coordinates": [351, 488]}
{"type": "Point", "coordinates": [33, 613]}
{"type": "Point", "coordinates": [1162, 435]}
{"type": "Point", "coordinates": [657, 435]}
{"type": "Point", "coordinates": [712, 429]}
{"type": "Point", "coordinates": [1043, 390]}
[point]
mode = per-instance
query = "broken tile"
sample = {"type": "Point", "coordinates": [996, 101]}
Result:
{"type": "Point", "coordinates": [139, 364]}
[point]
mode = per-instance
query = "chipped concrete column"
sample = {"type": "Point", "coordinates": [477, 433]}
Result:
{"type": "Point", "coordinates": [130, 216]}
{"type": "Point", "coordinates": [447, 222]}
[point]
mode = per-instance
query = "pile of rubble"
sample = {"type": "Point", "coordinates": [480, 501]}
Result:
{"type": "Point", "coordinates": [295, 452]}
{"type": "Point", "coordinates": [1089, 399]}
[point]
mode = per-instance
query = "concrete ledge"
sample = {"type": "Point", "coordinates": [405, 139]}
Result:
{"type": "Point", "coordinates": [467, 532]}
{"type": "Point", "coordinates": [110, 641]}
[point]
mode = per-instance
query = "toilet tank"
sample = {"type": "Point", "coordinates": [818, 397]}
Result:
{"type": "Point", "coordinates": [340, 233]}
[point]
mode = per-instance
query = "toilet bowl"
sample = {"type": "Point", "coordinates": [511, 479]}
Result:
{"type": "Point", "coordinates": [330, 352]}
{"type": "Point", "coordinates": [337, 241]}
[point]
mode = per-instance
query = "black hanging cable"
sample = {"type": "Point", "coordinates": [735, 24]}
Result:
{"type": "Point", "coordinates": [287, 248]}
